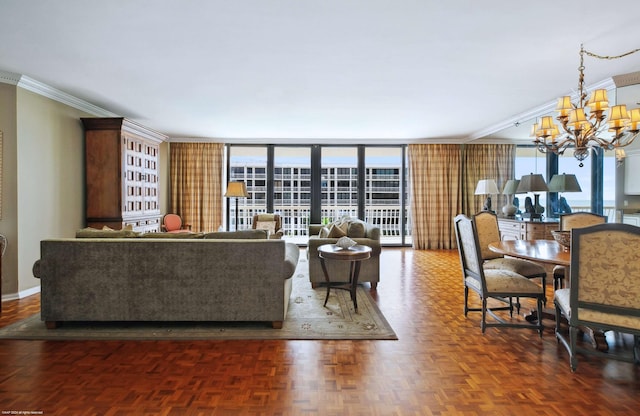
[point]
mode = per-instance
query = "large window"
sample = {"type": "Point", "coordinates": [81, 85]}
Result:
{"type": "Point", "coordinates": [529, 160]}
{"type": "Point", "coordinates": [593, 196]}
{"type": "Point", "coordinates": [292, 189]}
{"type": "Point", "coordinates": [250, 166]}
{"type": "Point", "coordinates": [368, 182]}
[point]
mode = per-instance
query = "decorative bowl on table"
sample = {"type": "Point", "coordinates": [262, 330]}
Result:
{"type": "Point", "coordinates": [563, 238]}
{"type": "Point", "coordinates": [345, 243]}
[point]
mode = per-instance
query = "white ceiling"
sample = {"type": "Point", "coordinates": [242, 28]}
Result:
{"type": "Point", "coordinates": [277, 71]}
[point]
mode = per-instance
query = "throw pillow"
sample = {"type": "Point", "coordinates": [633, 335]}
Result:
{"type": "Point", "coordinates": [324, 232]}
{"type": "Point", "coordinates": [105, 233]}
{"type": "Point", "coordinates": [357, 229]}
{"type": "Point", "coordinates": [266, 225]}
{"type": "Point", "coordinates": [336, 231]}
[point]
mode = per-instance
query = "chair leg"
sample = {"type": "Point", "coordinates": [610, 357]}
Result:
{"type": "Point", "coordinates": [483, 324]}
{"type": "Point", "coordinates": [573, 339]}
{"type": "Point", "coordinates": [558, 317]}
{"type": "Point", "coordinates": [540, 316]}
{"type": "Point", "coordinates": [466, 300]}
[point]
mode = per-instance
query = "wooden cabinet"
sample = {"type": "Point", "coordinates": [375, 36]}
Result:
{"type": "Point", "coordinates": [633, 219]}
{"type": "Point", "coordinates": [122, 174]}
{"type": "Point", "coordinates": [511, 229]}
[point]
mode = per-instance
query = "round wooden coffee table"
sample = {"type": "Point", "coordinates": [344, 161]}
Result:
{"type": "Point", "coordinates": [354, 255]}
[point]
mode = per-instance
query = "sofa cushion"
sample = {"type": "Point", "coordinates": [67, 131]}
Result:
{"type": "Point", "coordinates": [240, 234]}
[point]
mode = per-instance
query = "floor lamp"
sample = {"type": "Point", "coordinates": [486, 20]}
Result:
{"type": "Point", "coordinates": [236, 190]}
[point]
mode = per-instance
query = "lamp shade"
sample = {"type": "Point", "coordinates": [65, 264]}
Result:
{"type": "Point", "coordinates": [564, 183]}
{"type": "Point", "coordinates": [486, 187]}
{"type": "Point", "coordinates": [511, 187]}
{"type": "Point", "coordinates": [236, 189]}
{"type": "Point", "coordinates": [532, 183]}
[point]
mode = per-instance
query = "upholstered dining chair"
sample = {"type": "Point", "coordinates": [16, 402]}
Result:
{"type": "Point", "coordinates": [499, 284]}
{"type": "Point", "coordinates": [567, 223]}
{"type": "Point", "coordinates": [270, 222]}
{"type": "Point", "coordinates": [604, 288]}
{"type": "Point", "coordinates": [488, 232]}
{"type": "Point", "coordinates": [172, 223]}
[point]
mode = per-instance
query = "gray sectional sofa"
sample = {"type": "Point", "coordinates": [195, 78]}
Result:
{"type": "Point", "coordinates": [165, 279]}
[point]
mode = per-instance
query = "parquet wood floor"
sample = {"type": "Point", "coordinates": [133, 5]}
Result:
{"type": "Point", "coordinates": [441, 365]}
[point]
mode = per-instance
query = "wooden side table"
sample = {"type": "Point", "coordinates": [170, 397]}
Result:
{"type": "Point", "coordinates": [354, 255]}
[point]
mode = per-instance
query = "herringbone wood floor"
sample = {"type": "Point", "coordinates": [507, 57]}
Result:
{"type": "Point", "coordinates": [441, 365]}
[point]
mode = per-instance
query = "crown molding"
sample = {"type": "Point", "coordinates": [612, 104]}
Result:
{"type": "Point", "coordinates": [539, 111]}
{"type": "Point", "coordinates": [47, 91]}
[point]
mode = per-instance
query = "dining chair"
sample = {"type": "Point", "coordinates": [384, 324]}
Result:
{"type": "Point", "coordinates": [567, 223]}
{"type": "Point", "coordinates": [604, 289]}
{"type": "Point", "coordinates": [489, 232]}
{"type": "Point", "coordinates": [496, 284]}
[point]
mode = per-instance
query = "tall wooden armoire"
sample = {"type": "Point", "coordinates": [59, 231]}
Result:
{"type": "Point", "coordinates": [122, 174]}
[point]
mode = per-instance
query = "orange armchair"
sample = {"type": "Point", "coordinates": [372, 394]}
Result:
{"type": "Point", "coordinates": [172, 223]}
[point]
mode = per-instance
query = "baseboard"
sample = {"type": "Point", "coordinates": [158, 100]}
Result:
{"type": "Point", "coordinates": [22, 294]}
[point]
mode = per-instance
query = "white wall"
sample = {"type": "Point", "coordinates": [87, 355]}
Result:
{"type": "Point", "coordinates": [50, 177]}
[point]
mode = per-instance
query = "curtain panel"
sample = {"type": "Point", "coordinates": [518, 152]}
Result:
{"type": "Point", "coordinates": [436, 194]}
{"type": "Point", "coordinates": [486, 161]}
{"type": "Point", "coordinates": [443, 181]}
{"type": "Point", "coordinates": [196, 171]}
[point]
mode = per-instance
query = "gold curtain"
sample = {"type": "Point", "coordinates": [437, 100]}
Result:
{"type": "Point", "coordinates": [486, 161]}
{"type": "Point", "coordinates": [196, 184]}
{"type": "Point", "coordinates": [435, 177]}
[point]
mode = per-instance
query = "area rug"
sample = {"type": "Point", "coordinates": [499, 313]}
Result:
{"type": "Point", "coordinates": [306, 319]}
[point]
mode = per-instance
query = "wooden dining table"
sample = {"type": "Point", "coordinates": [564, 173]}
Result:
{"type": "Point", "coordinates": [541, 251]}
{"type": "Point", "coordinates": [549, 252]}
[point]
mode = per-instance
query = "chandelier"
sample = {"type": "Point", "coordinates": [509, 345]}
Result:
{"type": "Point", "coordinates": [580, 129]}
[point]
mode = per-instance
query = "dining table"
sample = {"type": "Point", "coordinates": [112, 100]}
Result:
{"type": "Point", "coordinates": [547, 252]}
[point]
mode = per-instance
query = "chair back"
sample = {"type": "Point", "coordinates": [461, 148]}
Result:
{"type": "Point", "coordinates": [488, 232]}
{"type": "Point", "coordinates": [468, 248]}
{"type": "Point", "coordinates": [580, 220]}
{"type": "Point", "coordinates": [172, 222]}
{"type": "Point", "coordinates": [267, 219]}
{"type": "Point", "coordinates": [605, 277]}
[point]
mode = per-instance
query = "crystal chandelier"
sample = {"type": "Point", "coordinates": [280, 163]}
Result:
{"type": "Point", "coordinates": [580, 129]}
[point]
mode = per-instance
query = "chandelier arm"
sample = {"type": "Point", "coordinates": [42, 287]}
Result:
{"type": "Point", "coordinates": [593, 55]}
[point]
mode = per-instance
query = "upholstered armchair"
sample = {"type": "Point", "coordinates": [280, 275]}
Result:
{"type": "Point", "coordinates": [567, 223]}
{"type": "Point", "coordinates": [361, 232]}
{"type": "Point", "coordinates": [272, 223]}
{"type": "Point", "coordinates": [604, 288]}
{"type": "Point", "coordinates": [488, 232]}
{"type": "Point", "coordinates": [498, 284]}
{"type": "Point", "coordinates": [172, 223]}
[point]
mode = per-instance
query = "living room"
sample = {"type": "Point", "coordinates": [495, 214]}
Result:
{"type": "Point", "coordinates": [43, 138]}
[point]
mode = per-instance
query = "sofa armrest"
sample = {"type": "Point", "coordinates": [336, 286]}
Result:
{"type": "Point", "coordinates": [372, 232]}
{"type": "Point", "coordinates": [314, 229]}
{"type": "Point", "coordinates": [291, 257]}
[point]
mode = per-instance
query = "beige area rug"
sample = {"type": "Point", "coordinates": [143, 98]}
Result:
{"type": "Point", "coordinates": [306, 319]}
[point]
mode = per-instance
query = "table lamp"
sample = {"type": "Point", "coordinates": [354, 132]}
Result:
{"type": "Point", "coordinates": [510, 189]}
{"type": "Point", "coordinates": [236, 189]}
{"type": "Point", "coordinates": [532, 183]}
{"type": "Point", "coordinates": [564, 183]}
{"type": "Point", "coordinates": [487, 187]}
